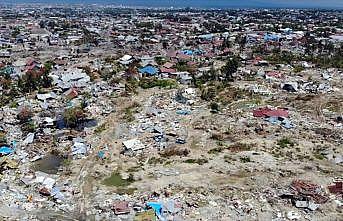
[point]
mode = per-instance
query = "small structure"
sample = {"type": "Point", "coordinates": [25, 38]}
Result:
{"type": "Point", "coordinates": [336, 187]}
{"type": "Point", "coordinates": [268, 112]}
{"type": "Point", "coordinates": [71, 93]}
{"type": "Point", "coordinates": [148, 70]}
{"type": "Point", "coordinates": [121, 207]}
{"type": "Point", "coordinates": [133, 145]}
{"type": "Point", "coordinates": [126, 59]}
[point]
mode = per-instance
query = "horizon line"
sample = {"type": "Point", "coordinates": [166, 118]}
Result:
{"type": "Point", "coordinates": [169, 7]}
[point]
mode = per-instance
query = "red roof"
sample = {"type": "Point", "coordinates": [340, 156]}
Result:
{"type": "Point", "coordinates": [191, 63]}
{"type": "Point", "coordinates": [121, 207]}
{"type": "Point", "coordinates": [183, 56]}
{"type": "Point", "coordinates": [168, 65]}
{"type": "Point", "coordinates": [267, 112]}
{"type": "Point", "coordinates": [171, 54]}
{"type": "Point", "coordinates": [72, 93]}
{"type": "Point", "coordinates": [336, 188]}
{"type": "Point", "coordinates": [167, 70]}
{"type": "Point", "coordinates": [274, 74]}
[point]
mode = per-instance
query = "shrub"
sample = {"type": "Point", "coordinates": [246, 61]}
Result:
{"type": "Point", "coordinates": [3, 137]}
{"type": "Point", "coordinates": [217, 136]}
{"type": "Point", "coordinates": [25, 114]}
{"type": "Point", "coordinates": [214, 107]}
{"type": "Point", "coordinates": [131, 86]}
{"type": "Point", "coordinates": [238, 147]}
{"type": "Point", "coordinates": [73, 116]}
{"type": "Point", "coordinates": [285, 142]}
{"type": "Point", "coordinates": [174, 151]}
{"type": "Point", "coordinates": [245, 159]}
{"type": "Point", "coordinates": [162, 83]}
{"type": "Point", "coordinates": [100, 129]}
{"type": "Point", "coordinates": [197, 161]}
{"type": "Point", "coordinates": [28, 127]}
{"type": "Point", "coordinates": [298, 69]}
{"type": "Point", "coordinates": [209, 93]}
{"type": "Point", "coordinates": [216, 150]}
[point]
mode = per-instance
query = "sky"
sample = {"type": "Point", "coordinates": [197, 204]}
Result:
{"type": "Point", "coordinates": [204, 3]}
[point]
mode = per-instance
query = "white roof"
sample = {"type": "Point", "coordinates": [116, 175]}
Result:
{"type": "Point", "coordinates": [133, 144]}
{"type": "Point", "coordinates": [126, 57]}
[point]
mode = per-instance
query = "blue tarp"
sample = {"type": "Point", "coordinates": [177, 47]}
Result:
{"type": "Point", "coordinates": [150, 70]}
{"type": "Point", "coordinates": [56, 193]}
{"type": "Point", "coordinates": [271, 37]}
{"type": "Point", "coordinates": [199, 51]}
{"type": "Point", "coordinates": [5, 150]}
{"type": "Point", "coordinates": [157, 207]}
{"type": "Point", "coordinates": [287, 124]}
{"type": "Point", "coordinates": [14, 144]}
{"type": "Point", "coordinates": [284, 122]}
{"type": "Point", "coordinates": [101, 154]}
{"type": "Point", "coordinates": [7, 70]}
{"type": "Point", "coordinates": [187, 52]}
{"type": "Point", "coordinates": [183, 112]}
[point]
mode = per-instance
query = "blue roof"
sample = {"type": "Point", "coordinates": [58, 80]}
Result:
{"type": "Point", "coordinates": [150, 70]}
{"type": "Point", "coordinates": [187, 52]}
{"type": "Point", "coordinates": [4, 150]}
{"type": "Point", "coordinates": [199, 51]}
{"type": "Point", "coordinates": [7, 70]}
{"type": "Point", "coordinates": [271, 37]}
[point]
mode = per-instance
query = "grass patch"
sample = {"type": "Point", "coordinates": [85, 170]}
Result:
{"type": "Point", "coordinates": [174, 151]}
{"type": "Point", "coordinates": [66, 162]}
{"type": "Point", "coordinates": [161, 83]}
{"type": "Point", "coordinates": [100, 129]}
{"type": "Point", "coordinates": [319, 156]}
{"type": "Point", "coordinates": [228, 158]}
{"type": "Point", "coordinates": [155, 160]}
{"type": "Point", "coordinates": [116, 180]}
{"type": "Point", "coordinates": [239, 147]}
{"type": "Point", "coordinates": [148, 215]}
{"type": "Point", "coordinates": [130, 111]}
{"type": "Point", "coordinates": [285, 142]}
{"type": "Point", "coordinates": [216, 150]}
{"type": "Point", "coordinates": [14, 104]}
{"type": "Point", "coordinates": [123, 190]}
{"type": "Point", "coordinates": [134, 169]}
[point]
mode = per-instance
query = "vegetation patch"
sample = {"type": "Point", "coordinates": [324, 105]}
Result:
{"type": "Point", "coordinates": [155, 160]}
{"type": "Point", "coordinates": [285, 142]}
{"type": "Point", "coordinates": [73, 116]}
{"type": "Point", "coordinates": [130, 111]}
{"type": "Point", "coordinates": [161, 83]}
{"type": "Point", "coordinates": [175, 151]}
{"type": "Point", "coordinates": [200, 161]}
{"type": "Point", "coordinates": [100, 128]}
{"type": "Point", "coordinates": [239, 147]}
{"type": "Point", "coordinates": [116, 180]}
{"type": "Point", "coordinates": [216, 150]}
{"type": "Point", "coordinates": [128, 190]}
{"type": "Point", "coordinates": [245, 159]}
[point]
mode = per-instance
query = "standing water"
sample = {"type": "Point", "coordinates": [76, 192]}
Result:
{"type": "Point", "coordinates": [48, 164]}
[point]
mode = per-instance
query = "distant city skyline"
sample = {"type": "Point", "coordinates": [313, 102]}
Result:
{"type": "Point", "coordinates": [338, 4]}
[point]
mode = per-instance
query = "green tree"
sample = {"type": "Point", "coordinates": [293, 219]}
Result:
{"type": "Point", "coordinates": [73, 116]}
{"type": "Point", "coordinates": [230, 68]}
